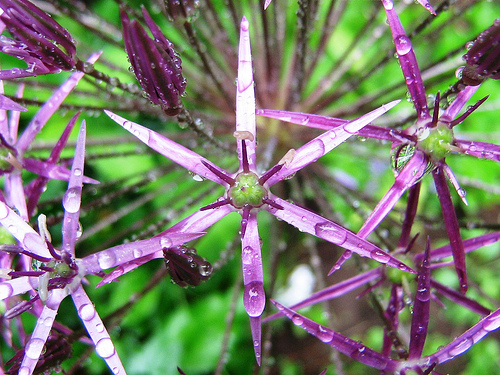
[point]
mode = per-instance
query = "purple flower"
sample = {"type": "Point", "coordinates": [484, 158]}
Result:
{"type": "Point", "coordinates": [247, 191]}
{"type": "Point", "coordinates": [155, 63]}
{"type": "Point", "coordinates": [38, 40]}
{"type": "Point", "coordinates": [60, 273]}
{"type": "Point", "coordinates": [483, 57]}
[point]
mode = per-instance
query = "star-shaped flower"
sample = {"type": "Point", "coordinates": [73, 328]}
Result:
{"type": "Point", "coordinates": [247, 191]}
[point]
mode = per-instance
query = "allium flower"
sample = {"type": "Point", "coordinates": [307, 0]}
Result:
{"type": "Point", "coordinates": [248, 192]}
{"type": "Point", "coordinates": [418, 150]}
{"type": "Point", "coordinates": [40, 41]}
{"type": "Point", "coordinates": [483, 57]}
{"type": "Point", "coordinates": [60, 273]}
{"type": "Point", "coordinates": [155, 63]}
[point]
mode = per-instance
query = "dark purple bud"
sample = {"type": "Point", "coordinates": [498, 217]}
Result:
{"type": "Point", "coordinates": [180, 9]}
{"type": "Point", "coordinates": [39, 40]}
{"type": "Point", "coordinates": [155, 63]}
{"type": "Point", "coordinates": [483, 57]}
{"type": "Point", "coordinates": [185, 266]}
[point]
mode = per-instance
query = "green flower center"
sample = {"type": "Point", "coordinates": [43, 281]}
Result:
{"type": "Point", "coordinates": [247, 191]}
{"type": "Point", "coordinates": [4, 153]}
{"type": "Point", "coordinates": [437, 143]}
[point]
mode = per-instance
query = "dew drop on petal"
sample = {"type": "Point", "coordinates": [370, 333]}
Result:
{"type": "Point", "coordinates": [34, 348]}
{"type": "Point", "coordinates": [4, 211]}
{"type": "Point", "coordinates": [71, 200]}
{"type": "Point", "coordinates": [105, 348]}
{"type": "Point", "coordinates": [324, 334]}
{"type": "Point", "coordinates": [99, 327]}
{"type": "Point", "coordinates": [116, 370]}
{"type": "Point", "coordinates": [461, 347]}
{"type": "Point", "coordinates": [137, 253]}
{"type": "Point", "coordinates": [77, 172]}
{"type": "Point", "coordinates": [246, 255]}
{"type": "Point", "coordinates": [331, 232]}
{"type": "Point", "coordinates": [87, 312]}
{"type": "Point", "coordinates": [165, 242]}
{"type": "Point", "coordinates": [48, 321]}
{"type": "Point", "coordinates": [380, 256]}
{"type": "Point", "coordinates": [106, 260]}
{"type": "Point", "coordinates": [24, 371]}
{"type": "Point", "coordinates": [5, 290]}
{"type": "Point", "coordinates": [491, 323]}
{"type": "Point", "coordinates": [297, 320]}
{"type": "Point", "coordinates": [403, 44]}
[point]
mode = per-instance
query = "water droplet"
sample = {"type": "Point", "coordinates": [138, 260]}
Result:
{"type": "Point", "coordinates": [77, 172]}
{"type": "Point", "coordinates": [380, 256]}
{"type": "Point", "coordinates": [256, 343]}
{"type": "Point", "coordinates": [137, 253]}
{"type": "Point", "coordinates": [24, 371]}
{"type": "Point", "coordinates": [71, 200]}
{"type": "Point", "coordinates": [4, 211]}
{"type": "Point", "coordinates": [116, 370]}
{"type": "Point", "coordinates": [331, 232]}
{"type": "Point", "coordinates": [48, 321]}
{"type": "Point", "coordinates": [246, 255]}
{"type": "Point", "coordinates": [297, 320]}
{"type": "Point", "coordinates": [166, 242]}
{"type": "Point", "coordinates": [491, 323]}
{"type": "Point", "coordinates": [99, 327]}
{"type": "Point", "coordinates": [87, 312]}
{"type": "Point", "coordinates": [105, 348]}
{"type": "Point", "coordinates": [106, 260]}
{"type": "Point", "coordinates": [205, 269]}
{"type": "Point", "coordinates": [461, 347]}
{"type": "Point", "coordinates": [34, 348]}
{"type": "Point", "coordinates": [324, 334]}
{"type": "Point", "coordinates": [403, 44]}
{"type": "Point", "coordinates": [5, 290]}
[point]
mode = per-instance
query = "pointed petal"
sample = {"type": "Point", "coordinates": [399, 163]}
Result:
{"type": "Point", "coordinates": [451, 177]}
{"type": "Point", "coordinates": [459, 298]}
{"type": "Point", "coordinates": [345, 345]}
{"type": "Point", "coordinates": [35, 344]}
{"type": "Point", "coordinates": [170, 149]}
{"type": "Point", "coordinates": [408, 62]}
{"type": "Point", "coordinates": [334, 291]}
{"type": "Point", "coordinates": [452, 228]}
{"type": "Point", "coordinates": [47, 110]}
{"type": "Point", "coordinates": [326, 142]}
{"type": "Point", "coordinates": [10, 105]}
{"type": "Point", "coordinates": [256, 328]}
{"type": "Point", "coordinates": [308, 221]}
{"type": "Point", "coordinates": [97, 331]}
{"type": "Point", "coordinates": [458, 103]}
{"type": "Point", "coordinates": [245, 95]}
{"type": "Point", "coordinates": [73, 196]}
{"type": "Point", "coordinates": [200, 220]}
{"type": "Point", "coordinates": [26, 236]}
{"type": "Point", "coordinates": [421, 305]}
{"type": "Point", "coordinates": [121, 254]}
{"type": "Point", "coordinates": [481, 150]}
{"type": "Point", "coordinates": [409, 175]}
{"type": "Point", "coordinates": [17, 286]}
{"type": "Point", "coordinates": [410, 213]}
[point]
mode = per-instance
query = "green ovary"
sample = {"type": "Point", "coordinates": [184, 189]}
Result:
{"type": "Point", "coordinates": [438, 143]}
{"type": "Point", "coordinates": [247, 191]}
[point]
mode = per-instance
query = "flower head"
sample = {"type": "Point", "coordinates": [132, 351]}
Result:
{"type": "Point", "coordinates": [40, 41]}
{"type": "Point", "coordinates": [155, 63]}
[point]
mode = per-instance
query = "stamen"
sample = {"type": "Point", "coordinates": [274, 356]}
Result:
{"type": "Point", "coordinates": [218, 173]}
{"type": "Point", "coordinates": [288, 158]}
{"type": "Point", "coordinates": [244, 156]}
{"type": "Point", "coordinates": [243, 134]}
{"type": "Point", "coordinates": [216, 204]}
{"type": "Point", "coordinates": [52, 250]}
{"type": "Point", "coordinates": [15, 274]}
{"type": "Point", "coordinates": [468, 112]}
{"type": "Point", "coordinates": [272, 203]}
{"type": "Point", "coordinates": [266, 176]}
{"type": "Point", "coordinates": [435, 115]}
{"type": "Point", "coordinates": [36, 257]}
{"type": "Point", "coordinates": [244, 219]}
{"type": "Point", "coordinates": [20, 308]}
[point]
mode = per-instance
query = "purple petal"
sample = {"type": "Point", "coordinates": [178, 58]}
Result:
{"type": "Point", "coordinates": [408, 62]}
{"type": "Point", "coordinates": [128, 252]}
{"type": "Point", "coordinates": [410, 213]}
{"type": "Point", "coordinates": [459, 298]}
{"type": "Point", "coordinates": [199, 221]}
{"type": "Point", "coordinates": [334, 291]}
{"type": "Point", "coordinates": [326, 142]}
{"type": "Point", "coordinates": [309, 222]}
{"type": "Point", "coordinates": [17, 286]}
{"type": "Point", "coordinates": [458, 103]}
{"type": "Point", "coordinates": [245, 95]}
{"type": "Point", "coordinates": [451, 224]}
{"type": "Point", "coordinates": [50, 107]}
{"type": "Point", "coordinates": [170, 149]}
{"type": "Point", "coordinates": [26, 236]}
{"type": "Point", "coordinates": [10, 105]}
{"type": "Point", "coordinates": [421, 305]}
{"type": "Point", "coordinates": [481, 150]}
{"type": "Point", "coordinates": [72, 196]}
{"type": "Point", "coordinates": [351, 348]}
{"type": "Point", "coordinates": [103, 345]}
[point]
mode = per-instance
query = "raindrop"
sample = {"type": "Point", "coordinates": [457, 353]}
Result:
{"type": "Point", "coordinates": [331, 232]}
{"type": "Point", "coordinates": [324, 334]}
{"type": "Point", "coordinates": [380, 256]}
{"type": "Point", "coordinates": [77, 172]}
{"type": "Point", "coordinates": [71, 200]}
{"type": "Point", "coordinates": [403, 44]}
{"type": "Point", "coordinates": [137, 253]}
{"type": "Point", "coordinates": [491, 323]}
{"type": "Point", "coordinates": [461, 347]}
{"type": "Point", "coordinates": [197, 177]}
{"type": "Point", "coordinates": [24, 371]}
{"type": "Point", "coordinates": [106, 260]}
{"type": "Point", "coordinates": [105, 348]}
{"type": "Point", "coordinates": [34, 348]}
{"type": "Point", "coordinates": [297, 320]}
{"type": "Point", "coordinates": [87, 312]}
{"type": "Point", "coordinates": [166, 242]}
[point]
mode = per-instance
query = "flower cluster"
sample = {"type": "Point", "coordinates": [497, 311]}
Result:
{"type": "Point", "coordinates": [314, 156]}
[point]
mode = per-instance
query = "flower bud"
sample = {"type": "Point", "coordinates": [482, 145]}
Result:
{"type": "Point", "coordinates": [185, 266]}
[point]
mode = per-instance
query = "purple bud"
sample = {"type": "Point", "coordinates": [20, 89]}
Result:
{"type": "Point", "coordinates": [155, 63]}
{"type": "Point", "coordinates": [185, 266]}
{"type": "Point", "coordinates": [483, 57]}
{"type": "Point", "coordinates": [39, 40]}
